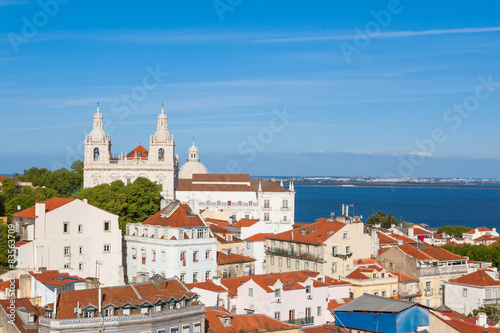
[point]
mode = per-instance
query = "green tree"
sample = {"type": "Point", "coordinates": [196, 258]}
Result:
{"type": "Point", "coordinates": [384, 220]}
{"type": "Point", "coordinates": [453, 230]}
{"type": "Point", "coordinates": [492, 312]}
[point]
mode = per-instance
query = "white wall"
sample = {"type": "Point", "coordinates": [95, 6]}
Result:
{"type": "Point", "coordinates": [256, 250]}
{"type": "Point", "coordinates": [455, 299]}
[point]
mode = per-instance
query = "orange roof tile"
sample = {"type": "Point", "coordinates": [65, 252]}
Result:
{"type": "Point", "coordinates": [334, 303]}
{"type": "Point", "coordinates": [6, 284]}
{"type": "Point", "coordinates": [25, 303]}
{"type": "Point", "coordinates": [233, 258]}
{"type": "Point", "coordinates": [403, 277]}
{"type": "Point", "coordinates": [473, 231]}
{"type": "Point", "coordinates": [227, 182]}
{"type": "Point", "coordinates": [258, 237]}
{"type": "Point", "coordinates": [314, 233]}
{"type": "Point", "coordinates": [50, 205]}
{"type": "Point", "coordinates": [326, 328]}
{"type": "Point", "coordinates": [21, 243]}
{"type": "Point", "coordinates": [242, 323]}
{"type": "Point", "coordinates": [478, 278]}
{"type": "Point", "coordinates": [429, 252]}
{"type": "Point", "coordinates": [181, 217]}
{"type": "Point", "coordinates": [421, 231]}
{"type": "Point", "coordinates": [54, 277]}
{"type": "Point", "coordinates": [1, 178]}
{"type": "Point", "coordinates": [245, 223]}
{"type": "Point", "coordinates": [207, 285]}
{"type": "Point", "coordinates": [463, 326]}
{"type": "Point", "coordinates": [138, 152]}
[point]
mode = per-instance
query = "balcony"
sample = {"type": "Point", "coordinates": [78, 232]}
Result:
{"type": "Point", "coordinates": [301, 321]}
{"type": "Point", "coordinates": [492, 301]}
{"type": "Point", "coordinates": [285, 209]}
{"type": "Point", "coordinates": [295, 255]}
{"type": "Point", "coordinates": [441, 270]}
{"type": "Point", "coordinates": [409, 294]}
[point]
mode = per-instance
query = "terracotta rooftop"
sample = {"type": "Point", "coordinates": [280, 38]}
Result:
{"type": "Point", "coordinates": [243, 323]}
{"type": "Point", "coordinates": [54, 277]}
{"type": "Point", "coordinates": [221, 178]}
{"type": "Point", "coordinates": [403, 277]}
{"type": "Point", "coordinates": [473, 231]}
{"type": "Point", "coordinates": [1, 178]}
{"type": "Point", "coordinates": [21, 243]}
{"type": "Point", "coordinates": [326, 328]}
{"type": "Point", "coordinates": [314, 233]}
{"type": "Point", "coordinates": [227, 183]}
{"type": "Point", "coordinates": [138, 152]}
{"type": "Point", "coordinates": [233, 258]}
{"type": "Point", "coordinates": [245, 223]}
{"type": "Point", "coordinates": [429, 252]}
{"type": "Point", "coordinates": [182, 216]}
{"type": "Point", "coordinates": [120, 296]}
{"type": "Point", "coordinates": [421, 231]}
{"type": "Point", "coordinates": [334, 303]}
{"type": "Point", "coordinates": [207, 285]}
{"type": "Point", "coordinates": [6, 284]}
{"type": "Point", "coordinates": [18, 322]}
{"type": "Point", "coordinates": [258, 237]}
{"type": "Point", "coordinates": [50, 205]}
{"type": "Point", "coordinates": [365, 272]}
{"type": "Point", "coordinates": [479, 278]}
{"type": "Point", "coordinates": [463, 326]}
{"type": "Point", "coordinates": [393, 239]}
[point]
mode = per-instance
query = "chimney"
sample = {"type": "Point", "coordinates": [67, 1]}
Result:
{"type": "Point", "coordinates": [216, 280]}
{"type": "Point", "coordinates": [54, 313]}
{"type": "Point", "coordinates": [410, 232]}
{"type": "Point", "coordinates": [85, 201]}
{"type": "Point", "coordinates": [40, 209]}
{"type": "Point", "coordinates": [163, 203]}
{"type": "Point", "coordinates": [100, 300]}
{"type": "Point", "coordinates": [494, 229]}
{"type": "Point", "coordinates": [481, 319]}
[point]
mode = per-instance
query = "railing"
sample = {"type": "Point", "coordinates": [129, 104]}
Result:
{"type": "Point", "coordinates": [291, 254]}
{"type": "Point", "coordinates": [491, 301]}
{"type": "Point", "coordinates": [301, 321]}
{"type": "Point", "coordinates": [409, 294]}
{"type": "Point", "coordinates": [439, 270]}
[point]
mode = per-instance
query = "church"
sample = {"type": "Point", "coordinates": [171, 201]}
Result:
{"type": "Point", "coordinates": [159, 164]}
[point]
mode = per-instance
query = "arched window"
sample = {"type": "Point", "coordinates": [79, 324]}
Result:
{"type": "Point", "coordinates": [161, 154]}
{"type": "Point", "coordinates": [96, 154]}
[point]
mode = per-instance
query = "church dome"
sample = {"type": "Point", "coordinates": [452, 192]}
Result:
{"type": "Point", "coordinates": [193, 165]}
{"type": "Point", "coordinates": [97, 134]}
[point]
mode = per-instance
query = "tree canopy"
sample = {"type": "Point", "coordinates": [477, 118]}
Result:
{"type": "Point", "coordinates": [453, 230]}
{"type": "Point", "coordinates": [477, 252]}
{"type": "Point", "coordinates": [384, 220]}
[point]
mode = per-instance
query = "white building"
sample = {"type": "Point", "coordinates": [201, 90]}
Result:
{"type": "Point", "coordinates": [71, 235]}
{"type": "Point", "coordinates": [159, 164]}
{"type": "Point", "coordinates": [193, 165]}
{"type": "Point", "coordinates": [212, 293]}
{"type": "Point", "coordinates": [173, 242]}
{"type": "Point", "coordinates": [472, 291]}
{"type": "Point", "coordinates": [299, 297]}
{"type": "Point", "coordinates": [474, 235]}
{"type": "Point", "coordinates": [255, 247]}
{"type": "Point", "coordinates": [241, 198]}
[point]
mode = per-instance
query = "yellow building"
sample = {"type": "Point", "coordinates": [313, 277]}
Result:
{"type": "Point", "coordinates": [369, 277]}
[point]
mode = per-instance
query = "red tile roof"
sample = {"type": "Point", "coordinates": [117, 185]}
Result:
{"type": "Point", "coordinates": [233, 258]}
{"type": "Point", "coordinates": [334, 303]}
{"type": "Point", "coordinates": [243, 323]}
{"type": "Point", "coordinates": [315, 233]}
{"type": "Point", "coordinates": [429, 252]}
{"type": "Point", "coordinates": [207, 285]}
{"type": "Point", "coordinates": [479, 278]}
{"type": "Point", "coordinates": [181, 217]}
{"type": "Point", "coordinates": [421, 231]}
{"type": "Point", "coordinates": [221, 178]}
{"type": "Point", "coordinates": [258, 237]}
{"type": "Point", "coordinates": [463, 326]}
{"type": "Point", "coordinates": [403, 277]}
{"type": "Point", "coordinates": [365, 272]}
{"type": "Point", "coordinates": [54, 277]}
{"type": "Point", "coordinates": [119, 296]}
{"type": "Point", "coordinates": [6, 284]}
{"type": "Point", "coordinates": [245, 223]}
{"type": "Point", "coordinates": [50, 205]}
{"type": "Point", "coordinates": [473, 231]}
{"type": "Point", "coordinates": [326, 328]}
{"type": "Point", "coordinates": [21, 243]}
{"type": "Point", "coordinates": [25, 303]}
{"type": "Point", "coordinates": [138, 152]}
{"type": "Point", "coordinates": [1, 178]}
{"type": "Point", "coordinates": [227, 183]}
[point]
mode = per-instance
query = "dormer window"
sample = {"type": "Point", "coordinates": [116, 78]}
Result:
{"type": "Point", "coordinates": [89, 313]}
{"type": "Point", "coordinates": [126, 311]}
{"type": "Point", "coordinates": [109, 312]}
{"type": "Point", "coordinates": [227, 321]}
{"type": "Point", "coordinates": [96, 154]}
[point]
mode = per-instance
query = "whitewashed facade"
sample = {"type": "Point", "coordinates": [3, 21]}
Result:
{"type": "Point", "coordinates": [70, 235]}
{"type": "Point", "coordinates": [159, 164]}
{"type": "Point", "coordinates": [173, 242]}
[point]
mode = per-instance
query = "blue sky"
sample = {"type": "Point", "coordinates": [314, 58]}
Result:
{"type": "Point", "coordinates": [357, 101]}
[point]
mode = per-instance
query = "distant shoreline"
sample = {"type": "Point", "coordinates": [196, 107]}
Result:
{"type": "Point", "coordinates": [385, 185]}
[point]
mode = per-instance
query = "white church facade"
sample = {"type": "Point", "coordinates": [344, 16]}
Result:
{"type": "Point", "coordinates": [159, 164]}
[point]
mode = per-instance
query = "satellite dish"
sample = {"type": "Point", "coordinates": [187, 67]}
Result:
{"type": "Point", "coordinates": [178, 305]}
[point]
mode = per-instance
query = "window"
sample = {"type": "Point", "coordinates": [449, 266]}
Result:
{"type": "Point", "coordinates": [334, 250]}
{"type": "Point", "coordinates": [108, 312]}
{"type": "Point", "coordinates": [306, 265]}
{"type": "Point", "coordinates": [308, 289]}
{"type": "Point", "coordinates": [384, 293]}
{"type": "Point", "coordinates": [347, 268]}
{"type": "Point", "coordinates": [80, 266]}
{"type": "Point", "coordinates": [319, 311]}
{"type": "Point", "coordinates": [96, 154]}
{"type": "Point", "coordinates": [285, 204]}
{"type": "Point", "coordinates": [185, 328]}
{"type": "Point", "coordinates": [266, 217]}
{"type": "Point", "coordinates": [126, 311]}
{"type": "Point", "coordinates": [266, 204]}
{"type": "Point", "coordinates": [334, 267]}
{"type": "Point", "coordinates": [66, 266]}
{"type": "Point", "coordinates": [195, 277]}
{"type": "Point", "coordinates": [143, 256]}
{"type": "Point", "coordinates": [161, 154]}
{"type": "Point", "coordinates": [347, 249]}
{"type": "Point", "coordinates": [174, 329]}
{"type": "Point", "coordinates": [197, 328]}
{"type": "Point", "coordinates": [288, 263]}
{"type": "Point", "coordinates": [291, 315]}
{"type": "Point", "coordinates": [272, 260]}
{"type": "Point", "coordinates": [250, 292]}
{"type": "Point", "coordinates": [66, 251]}
{"type": "Point", "coordinates": [80, 250]}
{"type": "Point", "coordinates": [208, 254]}
{"type": "Point", "coordinates": [383, 274]}
{"type": "Point", "coordinates": [277, 292]}
{"type": "Point", "coordinates": [375, 293]}
{"type": "Point", "coordinates": [280, 261]}
{"type": "Point", "coordinates": [394, 292]}
{"type": "Point", "coordinates": [107, 226]}
{"type": "Point", "coordinates": [464, 292]}
{"type": "Point", "coordinates": [374, 275]}
{"type": "Point", "coordinates": [195, 256]}
{"type": "Point", "coordinates": [153, 255]}
{"type": "Point", "coordinates": [277, 315]}
{"type": "Point", "coordinates": [208, 275]}
{"type": "Point", "coordinates": [66, 227]}
{"type": "Point", "coordinates": [163, 255]}
{"type": "Point", "coordinates": [297, 264]}
{"type": "Point", "coordinates": [107, 248]}
{"type": "Point", "coordinates": [88, 314]}
{"type": "Point", "coordinates": [183, 277]}
{"type": "Point", "coordinates": [285, 218]}
{"type": "Point", "coordinates": [80, 228]}
{"type": "Point", "coordinates": [345, 235]}
{"type": "Point", "coordinates": [315, 267]}
{"type": "Point", "coordinates": [248, 245]}
{"type": "Point", "coordinates": [183, 258]}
